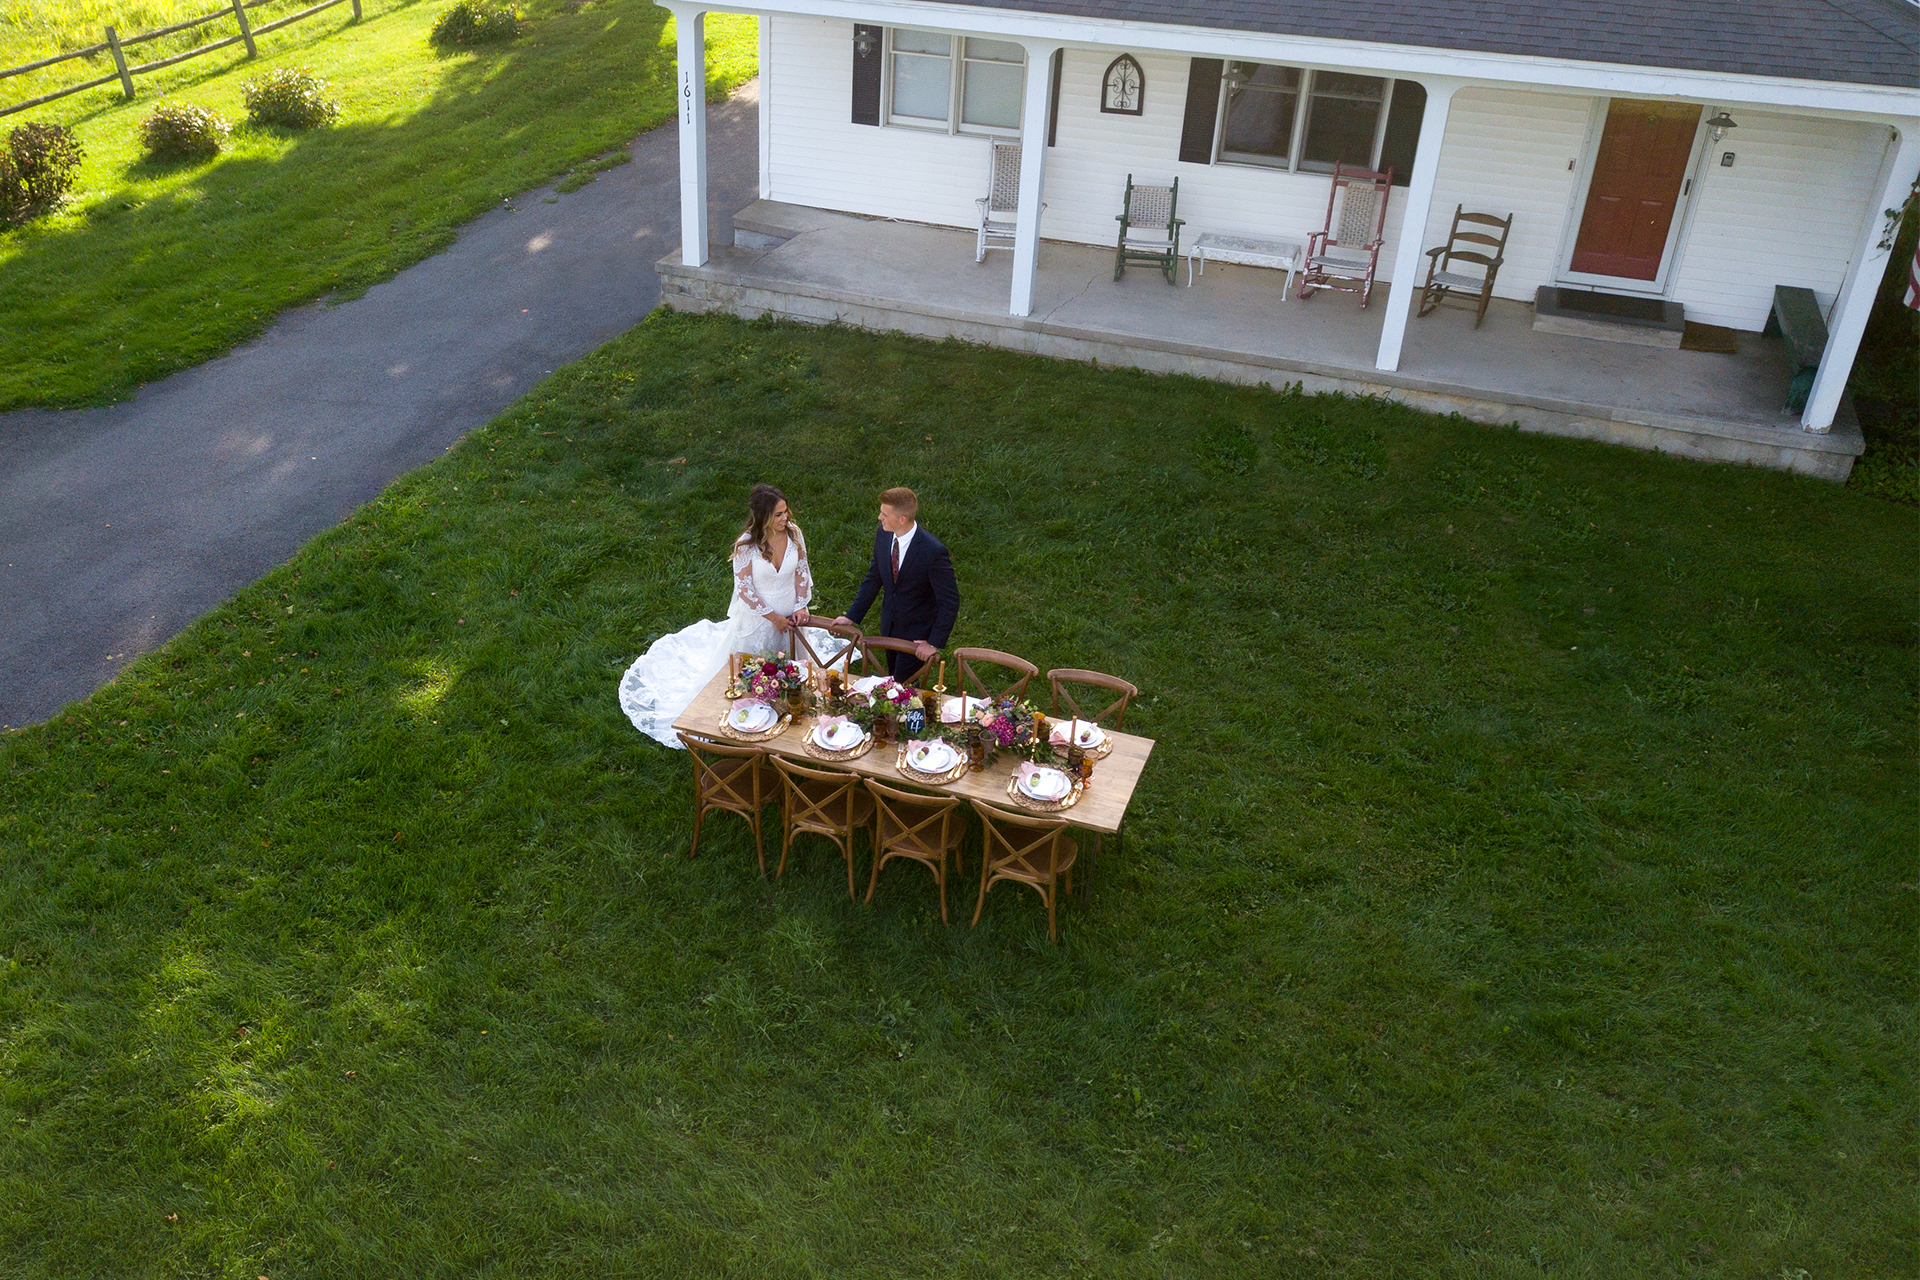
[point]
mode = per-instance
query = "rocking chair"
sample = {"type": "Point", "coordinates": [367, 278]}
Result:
{"type": "Point", "coordinates": [1344, 257]}
{"type": "Point", "coordinates": [1000, 207]}
{"type": "Point", "coordinates": [1149, 231]}
{"type": "Point", "coordinates": [1443, 280]}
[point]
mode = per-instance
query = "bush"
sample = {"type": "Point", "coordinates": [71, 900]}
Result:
{"type": "Point", "coordinates": [290, 96]}
{"type": "Point", "coordinates": [476, 22]}
{"type": "Point", "coordinates": [179, 130]}
{"type": "Point", "coordinates": [37, 170]}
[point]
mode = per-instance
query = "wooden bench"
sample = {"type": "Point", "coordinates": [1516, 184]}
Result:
{"type": "Point", "coordinates": [1796, 320]}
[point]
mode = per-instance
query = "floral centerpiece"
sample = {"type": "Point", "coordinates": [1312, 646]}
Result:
{"type": "Point", "coordinates": [1007, 724]}
{"type": "Point", "coordinates": [884, 705]}
{"type": "Point", "coordinates": [768, 680]}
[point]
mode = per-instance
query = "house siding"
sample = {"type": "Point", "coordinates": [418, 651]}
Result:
{"type": "Point", "coordinates": [1786, 213]}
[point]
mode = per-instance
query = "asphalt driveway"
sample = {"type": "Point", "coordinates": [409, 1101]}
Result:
{"type": "Point", "coordinates": [119, 526]}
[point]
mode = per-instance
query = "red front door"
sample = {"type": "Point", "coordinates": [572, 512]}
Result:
{"type": "Point", "coordinates": [1636, 185]}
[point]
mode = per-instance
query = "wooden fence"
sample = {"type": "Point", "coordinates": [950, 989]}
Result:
{"type": "Point", "coordinates": [236, 10]}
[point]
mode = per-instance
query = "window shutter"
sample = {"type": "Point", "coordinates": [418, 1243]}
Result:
{"type": "Point", "coordinates": [866, 74]}
{"type": "Point", "coordinates": [1203, 105]}
{"type": "Point", "coordinates": [1402, 137]}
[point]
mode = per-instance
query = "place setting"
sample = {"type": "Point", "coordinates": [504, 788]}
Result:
{"type": "Point", "coordinates": [933, 761]}
{"type": "Point", "coordinates": [753, 721]}
{"type": "Point", "coordinates": [1043, 788]}
{"type": "Point", "coordinates": [1083, 734]}
{"type": "Point", "coordinates": [837, 738]}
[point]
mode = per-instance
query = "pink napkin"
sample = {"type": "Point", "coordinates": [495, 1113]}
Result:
{"type": "Point", "coordinates": [829, 723]}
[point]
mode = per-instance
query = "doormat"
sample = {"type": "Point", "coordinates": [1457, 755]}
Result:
{"type": "Point", "coordinates": [1710, 337]}
{"type": "Point", "coordinates": [1611, 305]}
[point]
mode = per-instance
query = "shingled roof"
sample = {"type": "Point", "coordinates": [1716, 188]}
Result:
{"type": "Point", "coordinates": [1845, 41]}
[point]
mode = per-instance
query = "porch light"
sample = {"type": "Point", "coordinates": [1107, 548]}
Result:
{"type": "Point", "coordinates": [863, 45]}
{"type": "Point", "coordinates": [1718, 126]}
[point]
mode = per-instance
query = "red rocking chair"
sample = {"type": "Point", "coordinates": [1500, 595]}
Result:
{"type": "Point", "coordinates": [1344, 256]}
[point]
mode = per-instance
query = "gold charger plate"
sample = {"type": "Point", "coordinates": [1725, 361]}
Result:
{"type": "Point", "coordinates": [1026, 801]}
{"type": "Point", "coordinates": [854, 752]}
{"type": "Point", "coordinates": [759, 735]}
{"type": "Point", "coordinates": [912, 774]}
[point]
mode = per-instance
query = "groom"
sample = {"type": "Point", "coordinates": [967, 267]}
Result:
{"type": "Point", "coordinates": [913, 576]}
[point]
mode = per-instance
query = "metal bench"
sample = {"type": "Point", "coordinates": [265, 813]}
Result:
{"type": "Point", "coordinates": [1797, 321]}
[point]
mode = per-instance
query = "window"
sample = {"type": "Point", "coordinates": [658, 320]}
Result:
{"type": "Point", "coordinates": [960, 85]}
{"type": "Point", "coordinates": [1302, 120]}
{"type": "Point", "coordinates": [1262, 102]}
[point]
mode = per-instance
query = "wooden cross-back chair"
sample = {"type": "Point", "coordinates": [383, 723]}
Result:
{"type": "Point", "coordinates": [873, 646]}
{"type": "Point", "coordinates": [823, 802]}
{"type": "Point", "coordinates": [1346, 253]}
{"type": "Point", "coordinates": [922, 828]}
{"type": "Point", "coordinates": [733, 780]}
{"type": "Point", "coordinates": [1149, 231]}
{"type": "Point", "coordinates": [1443, 281]}
{"type": "Point", "coordinates": [1113, 716]}
{"type": "Point", "coordinates": [1036, 852]}
{"type": "Point", "coordinates": [1000, 207]}
{"type": "Point", "coordinates": [803, 648]}
{"type": "Point", "coordinates": [971, 682]}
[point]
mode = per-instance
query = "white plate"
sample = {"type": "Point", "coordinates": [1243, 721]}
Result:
{"type": "Point", "coordinates": [752, 717]}
{"type": "Point", "coordinates": [933, 757]}
{"type": "Point", "coordinates": [954, 708]}
{"type": "Point", "coordinates": [838, 738]}
{"type": "Point", "coordinates": [1087, 735]}
{"type": "Point", "coordinates": [1046, 784]}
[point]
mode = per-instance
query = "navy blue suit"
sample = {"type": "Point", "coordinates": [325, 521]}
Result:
{"type": "Point", "coordinates": [922, 605]}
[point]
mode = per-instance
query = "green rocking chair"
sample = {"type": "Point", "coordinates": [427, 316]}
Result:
{"type": "Point", "coordinates": [1149, 231]}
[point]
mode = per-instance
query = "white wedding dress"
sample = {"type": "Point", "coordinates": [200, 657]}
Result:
{"type": "Point", "coordinates": [662, 682]}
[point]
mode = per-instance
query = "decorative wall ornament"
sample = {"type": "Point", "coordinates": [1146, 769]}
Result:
{"type": "Point", "coordinates": [1123, 90]}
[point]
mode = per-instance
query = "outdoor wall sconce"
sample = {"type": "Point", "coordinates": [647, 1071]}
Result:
{"type": "Point", "coordinates": [863, 45]}
{"type": "Point", "coordinates": [1718, 126]}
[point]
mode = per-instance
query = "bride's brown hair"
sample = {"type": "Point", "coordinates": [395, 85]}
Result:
{"type": "Point", "coordinates": [762, 502]}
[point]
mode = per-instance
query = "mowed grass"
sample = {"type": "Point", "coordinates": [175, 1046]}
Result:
{"type": "Point", "coordinates": [34, 29]}
{"type": "Point", "coordinates": [155, 267]}
{"type": "Point", "coordinates": [1522, 884]}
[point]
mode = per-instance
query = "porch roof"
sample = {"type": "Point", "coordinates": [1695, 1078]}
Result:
{"type": "Point", "coordinates": [1870, 42]}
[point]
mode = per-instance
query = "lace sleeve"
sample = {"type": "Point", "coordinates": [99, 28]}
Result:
{"type": "Point", "coordinates": [802, 575]}
{"type": "Point", "coordinates": [743, 581]}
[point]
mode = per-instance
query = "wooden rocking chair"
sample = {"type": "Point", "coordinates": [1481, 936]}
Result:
{"type": "Point", "coordinates": [1443, 281]}
{"type": "Point", "coordinates": [1345, 256]}
{"type": "Point", "coordinates": [1149, 231]}
{"type": "Point", "coordinates": [1000, 207]}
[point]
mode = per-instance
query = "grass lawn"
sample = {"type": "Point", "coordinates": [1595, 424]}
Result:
{"type": "Point", "coordinates": [156, 267]}
{"type": "Point", "coordinates": [1523, 883]}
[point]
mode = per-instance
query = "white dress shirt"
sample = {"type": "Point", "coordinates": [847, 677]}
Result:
{"type": "Point", "coordinates": [905, 540]}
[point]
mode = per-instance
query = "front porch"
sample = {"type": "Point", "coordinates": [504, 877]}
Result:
{"type": "Point", "coordinates": [812, 264]}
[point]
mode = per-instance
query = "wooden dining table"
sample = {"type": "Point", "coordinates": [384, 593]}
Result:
{"type": "Point", "coordinates": [1102, 807]}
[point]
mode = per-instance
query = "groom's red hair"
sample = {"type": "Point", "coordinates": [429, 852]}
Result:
{"type": "Point", "coordinates": [901, 500]}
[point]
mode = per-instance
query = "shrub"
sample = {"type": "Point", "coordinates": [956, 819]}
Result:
{"type": "Point", "coordinates": [180, 130]}
{"type": "Point", "coordinates": [290, 96]}
{"type": "Point", "coordinates": [37, 170]}
{"type": "Point", "coordinates": [476, 22]}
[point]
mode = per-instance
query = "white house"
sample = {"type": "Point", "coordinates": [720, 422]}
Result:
{"type": "Point", "coordinates": [1675, 154]}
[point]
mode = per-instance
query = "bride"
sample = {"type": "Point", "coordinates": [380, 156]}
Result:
{"type": "Point", "coordinates": [771, 587]}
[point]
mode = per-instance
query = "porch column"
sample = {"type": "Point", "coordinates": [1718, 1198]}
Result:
{"type": "Point", "coordinates": [1033, 171]}
{"type": "Point", "coordinates": [765, 24]}
{"type": "Point", "coordinates": [690, 38]}
{"type": "Point", "coordinates": [1850, 310]}
{"type": "Point", "coordinates": [1413, 222]}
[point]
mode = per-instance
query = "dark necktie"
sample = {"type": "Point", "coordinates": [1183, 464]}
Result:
{"type": "Point", "coordinates": [896, 558]}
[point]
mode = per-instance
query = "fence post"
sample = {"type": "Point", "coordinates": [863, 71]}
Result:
{"type": "Point", "coordinates": [356, 10]}
{"type": "Point", "coordinates": [246, 32]}
{"type": "Point", "coordinates": [120, 63]}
